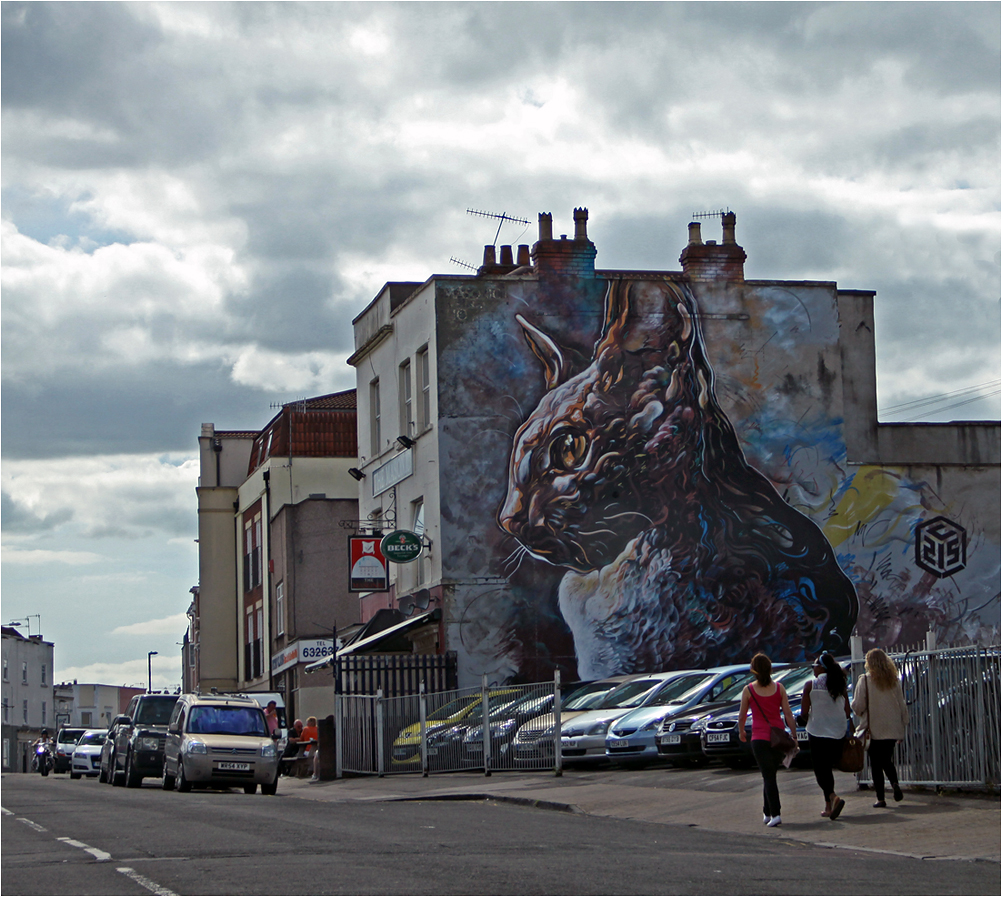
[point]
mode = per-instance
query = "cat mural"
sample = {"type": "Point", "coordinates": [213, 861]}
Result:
{"type": "Point", "coordinates": [628, 473]}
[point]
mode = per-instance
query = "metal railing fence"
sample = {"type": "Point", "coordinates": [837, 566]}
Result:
{"type": "Point", "coordinates": [952, 738]}
{"type": "Point", "coordinates": [444, 731]}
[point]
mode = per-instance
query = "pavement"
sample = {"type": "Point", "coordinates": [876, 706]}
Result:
{"type": "Point", "coordinates": [926, 824]}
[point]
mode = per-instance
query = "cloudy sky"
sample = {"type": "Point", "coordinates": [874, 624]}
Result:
{"type": "Point", "coordinates": [198, 198]}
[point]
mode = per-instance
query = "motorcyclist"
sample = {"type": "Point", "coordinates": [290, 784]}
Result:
{"type": "Point", "coordinates": [44, 741]}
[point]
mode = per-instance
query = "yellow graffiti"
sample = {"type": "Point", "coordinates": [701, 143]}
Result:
{"type": "Point", "coordinates": [872, 492]}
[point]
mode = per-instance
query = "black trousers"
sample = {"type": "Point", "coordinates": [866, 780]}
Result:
{"type": "Point", "coordinates": [768, 763]}
{"type": "Point", "coordinates": [882, 763]}
{"type": "Point", "coordinates": [825, 753]}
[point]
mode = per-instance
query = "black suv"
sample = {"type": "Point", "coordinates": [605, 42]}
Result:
{"type": "Point", "coordinates": [135, 745]}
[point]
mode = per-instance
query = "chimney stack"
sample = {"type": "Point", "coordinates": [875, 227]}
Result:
{"type": "Point", "coordinates": [710, 261]}
{"type": "Point", "coordinates": [563, 257]}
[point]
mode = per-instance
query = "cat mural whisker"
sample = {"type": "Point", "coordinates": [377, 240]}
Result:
{"type": "Point", "coordinates": [595, 532]}
{"type": "Point", "coordinates": [628, 514]}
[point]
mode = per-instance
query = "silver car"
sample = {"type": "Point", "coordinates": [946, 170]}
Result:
{"type": "Point", "coordinates": [219, 740]}
{"type": "Point", "coordinates": [86, 757]}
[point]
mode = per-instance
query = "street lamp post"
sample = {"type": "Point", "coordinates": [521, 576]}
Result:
{"type": "Point", "coordinates": [149, 669]}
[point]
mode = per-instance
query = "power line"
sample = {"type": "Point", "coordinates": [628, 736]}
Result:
{"type": "Point", "coordinates": [994, 384]}
{"type": "Point", "coordinates": [932, 409]}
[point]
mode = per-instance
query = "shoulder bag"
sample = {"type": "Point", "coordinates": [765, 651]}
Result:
{"type": "Point", "coordinates": [854, 747]}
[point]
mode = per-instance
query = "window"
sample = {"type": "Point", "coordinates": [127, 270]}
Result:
{"type": "Point", "coordinates": [24, 673]}
{"type": "Point", "coordinates": [421, 571]}
{"type": "Point", "coordinates": [280, 608]}
{"type": "Point", "coordinates": [406, 400]}
{"type": "Point", "coordinates": [375, 437]}
{"type": "Point", "coordinates": [252, 553]}
{"type": "Point", "coordinates": [6, 677]}
{"type": "Point", "coordinates": [424, 390]}
{"type": "Point", "coordinates": [6, 712]}
{"type": "Point", "coordinates": [44, 714]}
{"type": "Point", "coordinates": [43, 675]}
{"type": "Point", "coordinates": [24, 711]}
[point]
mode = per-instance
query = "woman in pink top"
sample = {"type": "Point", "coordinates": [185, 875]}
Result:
{"type": "Point", "coordinates": [769, 704]}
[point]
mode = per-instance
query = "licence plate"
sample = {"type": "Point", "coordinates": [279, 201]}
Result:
{"type": "Point", "coordinates": [718, 737]}
{"type": "Point", "coordinates": [671, 739]}
{"type": "Point", "coordinates": [567, 742]}
{"type": "Point", "coordinates": [802, 736]}
{"type": "Point", "coordinates": [235, 767]}
{"type": "Point", "coordinates": [619, 743]}
{"type": "Point", "coordinates": [475, 747]}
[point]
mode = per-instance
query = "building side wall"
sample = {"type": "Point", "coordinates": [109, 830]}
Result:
{"type": "Point", "coordinates": [217, 577]}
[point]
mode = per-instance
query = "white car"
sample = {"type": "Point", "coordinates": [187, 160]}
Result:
{"type": "Point", "coordinates": [86, 760]}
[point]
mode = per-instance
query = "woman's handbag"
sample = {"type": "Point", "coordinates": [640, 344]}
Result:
{"type": "Point", "coordinates": [852, 755]}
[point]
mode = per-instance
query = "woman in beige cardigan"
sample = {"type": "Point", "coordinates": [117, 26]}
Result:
{"type": "Point", "coordinates": [880, 705]}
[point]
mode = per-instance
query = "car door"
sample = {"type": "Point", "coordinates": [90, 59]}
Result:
{"type": "Point", "coordinates": [122, 732]}
{"type": "Point", "coordinates": [172, 743]}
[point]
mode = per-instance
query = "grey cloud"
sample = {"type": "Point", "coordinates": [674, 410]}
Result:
{"type": "Point", "coordinates": [18, 519]}
{"type": "Point", "coordinates": [151, 408]}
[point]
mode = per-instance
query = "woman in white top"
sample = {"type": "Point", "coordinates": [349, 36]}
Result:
{"type": "Point", "coordinates": [826, 705]}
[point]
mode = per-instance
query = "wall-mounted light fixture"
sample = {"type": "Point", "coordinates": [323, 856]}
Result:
{"type": "Point", "coordinates": [356, 473]}
{"type": "Point", "coordinates": [405, 442]}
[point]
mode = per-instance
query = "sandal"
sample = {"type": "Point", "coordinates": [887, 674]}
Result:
{"type": "Point", "coordinates": [836, 808]}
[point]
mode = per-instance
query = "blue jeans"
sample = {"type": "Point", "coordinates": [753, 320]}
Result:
{"type": "Point", "coordinates": [768, 763]}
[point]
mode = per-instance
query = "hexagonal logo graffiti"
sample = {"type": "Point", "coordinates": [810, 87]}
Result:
{"type": "Point", "coordinates": [941, 547]}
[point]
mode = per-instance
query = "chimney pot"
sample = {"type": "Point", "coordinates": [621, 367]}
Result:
{"type": "Point", "coordinates": [695, 237]}
{"type": "Point", "coordinates": [545, 226]}
{"type": "Point", "coordinates": [489, 256]}
{"type": "Point", "coordinates": [580, 224]}
{"type": "Point", "coordinates": [524, 259]}
{"type": "Point", "coordinates": [506, 258]}
{"type": "Point", "coordinates": [729, 220]}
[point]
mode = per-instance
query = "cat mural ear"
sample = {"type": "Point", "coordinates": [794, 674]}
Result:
{"type": "Point", "coordinates": [547, 351]}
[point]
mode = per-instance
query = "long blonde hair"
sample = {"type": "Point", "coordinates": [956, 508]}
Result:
{"type": "Point", "coordinates": [882, 670]}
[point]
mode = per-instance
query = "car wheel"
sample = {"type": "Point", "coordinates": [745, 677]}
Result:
{"type": "Point", "coordinates": [75, 775]}
{"type": "Point", "coordinates": [167, 782]}
{"type": "Point", "coordinates": [114, 776]}
{"type": "Point", "coordinates": [132, 778]}
{"type": "Point", "coordinates": [183, 785]}
{"type": "Point", "coordinates": [101, 777]}
{"type": "Point", "coordinates": [270, 790]}
{"type": "Point", "coordinates": [250, 789]}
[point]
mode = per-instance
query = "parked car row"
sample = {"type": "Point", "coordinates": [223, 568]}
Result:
{"type": "Point", "coordinates": [686, 716]}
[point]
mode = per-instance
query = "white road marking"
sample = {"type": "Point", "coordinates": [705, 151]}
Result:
{"type": "Point", "coordinates": [143, 881]}
{"type": "Point", "coordinates": [5, 811]}
{"type": "Point", "coordinates": [30, 824]}
{"type": "Point", "coordinates": [99, 855]}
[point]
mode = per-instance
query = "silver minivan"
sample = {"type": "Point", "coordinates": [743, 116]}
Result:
{"type": "Point", "coordinates": [219, 740]}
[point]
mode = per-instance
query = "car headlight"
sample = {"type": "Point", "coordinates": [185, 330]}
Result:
{"type": "Point", "coordinates": [653, 724]}
{"type": "Point", "coordinates": [196, 747]}
{"type": "Point", "coordinates": [149, 744]}
{"type": "Point", "coordinates": [598, 728]}
{"type": "Point", "coordinates": [268, 751]}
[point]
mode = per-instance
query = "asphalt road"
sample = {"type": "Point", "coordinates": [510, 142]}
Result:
{"type": "Point", "coordinates": [66, 837]}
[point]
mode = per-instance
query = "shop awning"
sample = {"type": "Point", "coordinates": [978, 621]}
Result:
{"type": "Point", "coordinates": [367, 644]}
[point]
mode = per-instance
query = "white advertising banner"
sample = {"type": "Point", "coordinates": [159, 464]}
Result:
{"type": "Point", "coordinates": [303, 651]}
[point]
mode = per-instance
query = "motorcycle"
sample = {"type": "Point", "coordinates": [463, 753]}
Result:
{"type": "Point", "coordinates": [43, 759]}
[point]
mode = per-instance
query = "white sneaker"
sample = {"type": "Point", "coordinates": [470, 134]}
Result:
{"type": "Point", "coordinates": [776, 820]}
{"type": "Point", "coordinates": [765, 818]}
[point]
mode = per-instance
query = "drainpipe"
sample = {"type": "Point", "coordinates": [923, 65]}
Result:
{"type": "Point", "coordinates": [267, 575]}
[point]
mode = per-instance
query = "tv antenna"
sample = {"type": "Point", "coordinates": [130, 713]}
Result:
{"type": "Point", "coordinates": [462, 264]}
{"type": "Point", "coordinates": [501, 217]}
{"type": "Point", "coordinates": [715, 213]}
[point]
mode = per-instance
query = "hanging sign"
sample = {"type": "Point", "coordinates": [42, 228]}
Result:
{"type": "Point", "coordinates": [366, 565]}
{"type": "Point", "coordinates": [401, 546]}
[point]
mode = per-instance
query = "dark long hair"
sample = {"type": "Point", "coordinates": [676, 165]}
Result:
{"type": "Point", "coordinates": [834, 676]}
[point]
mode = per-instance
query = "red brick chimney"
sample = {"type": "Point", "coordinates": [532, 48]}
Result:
{"type": "Point", "coordinates": [574, 258]}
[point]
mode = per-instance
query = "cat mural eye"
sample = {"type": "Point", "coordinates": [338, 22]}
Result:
{"type": "Point", "coordinates": [568, 450]}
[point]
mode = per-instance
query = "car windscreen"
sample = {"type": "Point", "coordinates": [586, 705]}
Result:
{"type": "Point", "coordinates": [155, 711]}
{"type": "Point", "coordinates": [629, 694]}
{"type": "Point", "coordinates": [93, 738]}
{"type": "Point", "coordinates": [223, 720]}
{"type": "Point", "coordinates": [794, 679]}
{"type": "Point", "coordinates": [683, 689]}
{"type": "Point", "coordinates": [69, 736]}
{"type": "Point", "coordinates": [587, 697]}
{"type": "Point", "coordinates": [733, 691]}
